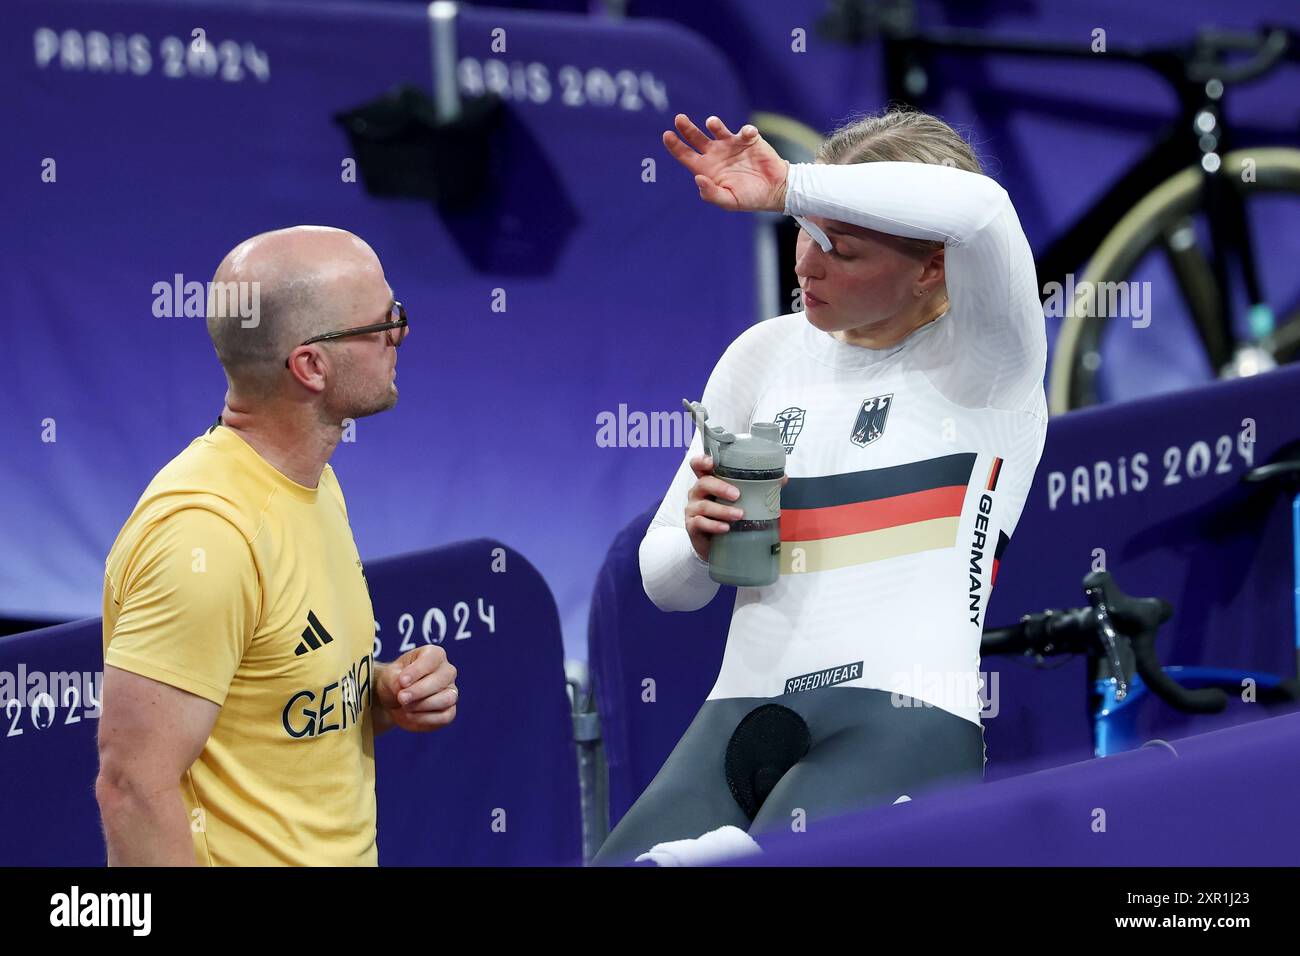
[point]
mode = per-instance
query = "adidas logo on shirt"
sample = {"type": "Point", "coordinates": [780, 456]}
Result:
{"type": "Point", "coordinates": [313, 636]}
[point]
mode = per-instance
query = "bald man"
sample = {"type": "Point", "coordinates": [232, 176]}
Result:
{"type": "Point", "coordinates": [241, 698]}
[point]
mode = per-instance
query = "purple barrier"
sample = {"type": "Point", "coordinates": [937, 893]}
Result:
{"type": "Point", "coordinates": [164, 158]}
{"type": "Point", "coordinates": [1223, 799]}
{"type": "Point", "coordinates": [50, 683]}
{"type": "Point", "coordinates": [651, 670]}
{"type": "Point", "coordinates": [499, 786]}
{"type": "Point", "coordinates": [1184, 529]}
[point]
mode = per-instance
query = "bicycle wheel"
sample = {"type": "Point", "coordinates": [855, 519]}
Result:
{"type": "Point", "coordinates": [793, 141]}
{"type": "Point", "coordinates": [1162, 220]}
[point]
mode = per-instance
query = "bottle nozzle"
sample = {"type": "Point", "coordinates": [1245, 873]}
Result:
{"type": "Point", "coordinates": [711, 437]}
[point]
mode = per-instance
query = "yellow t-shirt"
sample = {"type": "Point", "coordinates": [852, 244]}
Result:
{"type": "Point", "coordinates": [235, 583]}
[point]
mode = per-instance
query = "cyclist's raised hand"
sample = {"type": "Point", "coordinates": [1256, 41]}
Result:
{"type": "Point", "coordinates": [737, 171]}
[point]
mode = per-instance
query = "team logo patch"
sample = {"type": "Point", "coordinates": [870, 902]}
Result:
{"type": "Point", "coordinates": [791, 422]}
{"type": "Point", "coordinates": [870, 423]}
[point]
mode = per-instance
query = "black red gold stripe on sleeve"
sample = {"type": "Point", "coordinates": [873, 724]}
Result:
{"type": "Point", "coordinates": [994, 471]}
{"type": "Point", "coordinates": [836, 521]}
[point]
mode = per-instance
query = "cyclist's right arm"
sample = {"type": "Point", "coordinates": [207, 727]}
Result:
{"type": "Point", "coordinates": [674, 551]}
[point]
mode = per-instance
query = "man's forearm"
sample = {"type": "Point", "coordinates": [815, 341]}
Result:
{"type": "Point", "coordinates": [143, 828]}
{"type": "Point", "coordinates": [380, 718]}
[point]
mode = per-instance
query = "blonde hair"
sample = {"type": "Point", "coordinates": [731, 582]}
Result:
{"type": "Point", "coordinates": [900, 135]}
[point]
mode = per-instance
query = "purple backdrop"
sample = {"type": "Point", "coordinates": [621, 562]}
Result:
{"type": "Point", "coordinates": [159, 174]}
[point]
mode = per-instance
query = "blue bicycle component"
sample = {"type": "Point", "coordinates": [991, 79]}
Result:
{"type": "Point", "coordinates": [1114, 723]}
{"type": "Point", "coordinates": [1117, 633]}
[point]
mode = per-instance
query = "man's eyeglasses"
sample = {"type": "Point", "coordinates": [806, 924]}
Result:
{"type": "Point", "coordinates": [396, 328]}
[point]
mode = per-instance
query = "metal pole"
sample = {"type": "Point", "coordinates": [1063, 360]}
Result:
{"type": "Point", "coordinates": [767, 267]}
{"type": "Point", "coordinates": [442, 37]}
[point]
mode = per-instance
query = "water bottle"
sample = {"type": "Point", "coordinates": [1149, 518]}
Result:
{"type": "Point", "coordinates": [749, 555]}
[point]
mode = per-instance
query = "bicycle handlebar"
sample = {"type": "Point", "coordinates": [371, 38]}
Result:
{"type": "Point", "coordinates": [1116, 626]}
{"type": "Point", "coordinates": [1197, 61]}
{"type": "Point", "coordinates": [1275, 43]}
{"type": "Point", "coordinates": [1105, 596]}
